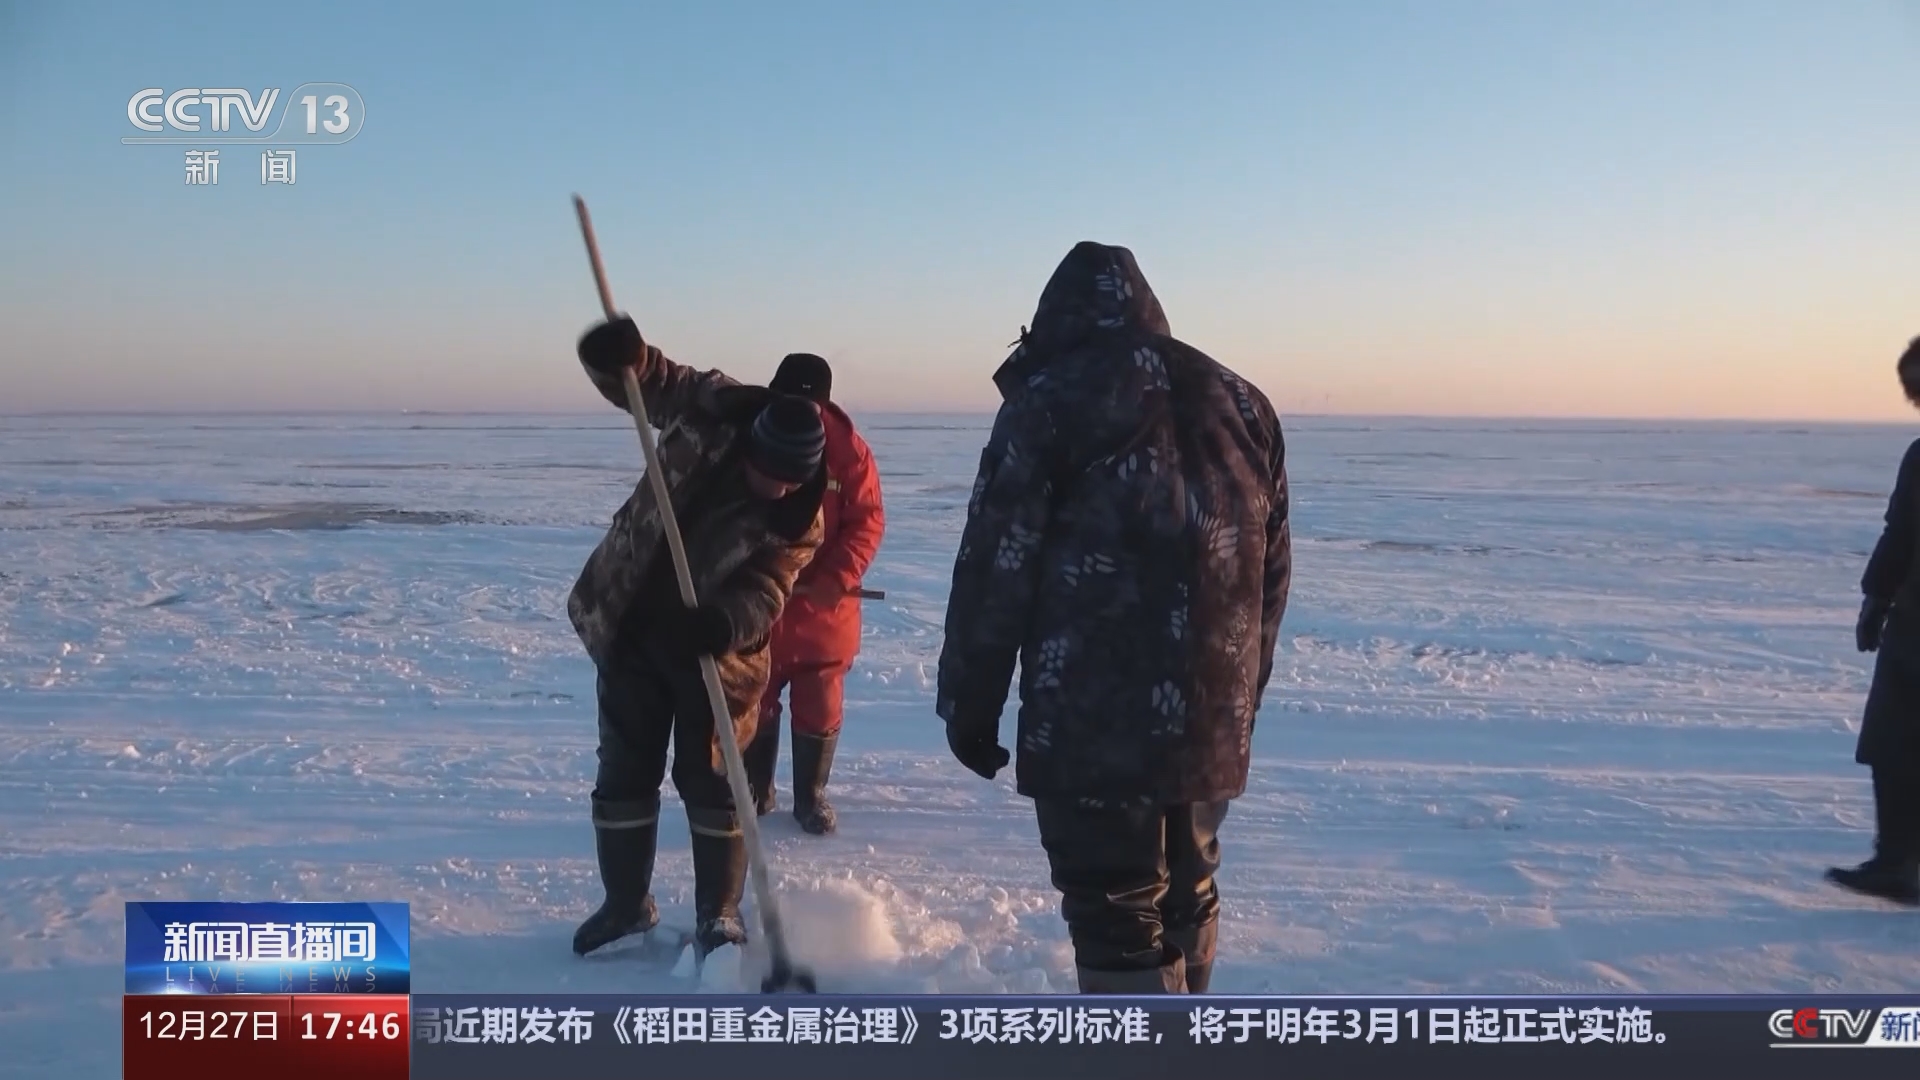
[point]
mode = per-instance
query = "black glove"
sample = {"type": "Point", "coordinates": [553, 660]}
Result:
{"type": "Point", "coordinates": [700, 631]}
{"type": "Point", "coordinates": [1873, 619]}
{"type": "Point", "coordinates": [977, 746]}
{"type": "Point", "coordinates": [611, 347]}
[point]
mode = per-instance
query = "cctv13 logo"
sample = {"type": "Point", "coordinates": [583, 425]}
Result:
{"type": "Point", "coordinates": [315, 112]}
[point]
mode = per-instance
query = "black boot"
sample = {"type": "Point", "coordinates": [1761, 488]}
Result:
{"type": "Point", "coordinates": [812, 764]}
{"type": "Point", "coordinates": [1197, 945]}
{"type": "Point", "coordinates": [719, 879]}
{"type": "Point", "coordinates": [761, 756]}
{"type": "Point", "coordinates": [1883, 880]}
{"type": "Point", "coordinates": [625, 836]}
{"type": "Point", "coordinates": [1169, 978]}
{"type": "Point", "coordinates": [1894, 871]}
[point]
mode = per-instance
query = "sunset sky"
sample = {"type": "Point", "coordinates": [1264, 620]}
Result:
{"type": "Point", "coordinates": [1633, 209]}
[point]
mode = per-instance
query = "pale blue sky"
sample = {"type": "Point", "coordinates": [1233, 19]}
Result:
{"type": "Point", "coordinates": [1550, 207]}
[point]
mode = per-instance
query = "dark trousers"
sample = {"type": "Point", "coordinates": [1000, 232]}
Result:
{"type": "Point", "coordinates": [649, 703]}
{"type": "Point", "coordinates": [1130, 877]}
{"type": "Point", "coordinates": [1896, 812]}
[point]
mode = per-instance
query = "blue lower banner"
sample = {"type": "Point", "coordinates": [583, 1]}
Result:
{"type": "Point", "coordinates": [475, 1037]}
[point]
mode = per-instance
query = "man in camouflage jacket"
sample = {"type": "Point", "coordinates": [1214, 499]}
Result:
{"type": "Point", "coordinates": [1127, 543]}
{"type": "Point", "coordinates": [743, 465]}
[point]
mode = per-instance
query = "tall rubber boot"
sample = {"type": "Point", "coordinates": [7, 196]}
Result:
{"type": "Point", "coordinates": [625, 838]}
{"type": "Point", "coordinates": [812, 765]}
{"type": "Point", "coordinates": [1169, 978]}
{"type": "Point", "coordinates": [1893, 874]}
{"type": "Point", "coordinates": [1897, 883]}
{"type": "Point", "coordinates": [1197, 945]}
{"type": "Point", "coordinates": [761, 755]}
{"type": "Point", "coordinates": [719, 879]}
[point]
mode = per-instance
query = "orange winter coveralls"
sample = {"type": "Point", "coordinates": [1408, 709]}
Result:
{"type": "Point", "coordinates": [815, 640]}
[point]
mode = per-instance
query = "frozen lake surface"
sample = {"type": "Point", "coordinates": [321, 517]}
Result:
{"type": "Point", "coordinates": [1558, 707]}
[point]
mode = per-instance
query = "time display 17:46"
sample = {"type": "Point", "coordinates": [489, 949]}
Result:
{"type": "Point", "coordinates": [327, 1025]}
{"type": "Point", "coordinates": [359, 1035]}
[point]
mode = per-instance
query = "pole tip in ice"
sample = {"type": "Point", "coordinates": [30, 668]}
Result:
{"type": "Point", "coordinates": [787, 979]}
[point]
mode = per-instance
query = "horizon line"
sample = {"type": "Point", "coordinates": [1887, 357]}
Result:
{"type": "Point", "coordinates": [981, 412]}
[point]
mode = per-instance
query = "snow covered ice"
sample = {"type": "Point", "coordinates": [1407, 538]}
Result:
{"type": "Point", "coordinates": [1558, 707]}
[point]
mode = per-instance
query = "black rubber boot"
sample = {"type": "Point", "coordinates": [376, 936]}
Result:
{"type": "Point", "coordinates": [1197, 945]}
{"type": "Point", "coordinates": [812, 764]}
{"type": "Point", "coordinates": [1893, 874]}
{"type": "Point", "coordinates": [763, 753]}
{"type": "Point", "coordinates": [1169, 978]}
{"type": "Point", "coordinates": [1882, 879]}
{"type": "Point", "coordinates": [719, 879]}
{"type": "Point", "coordinates": [625, 838]}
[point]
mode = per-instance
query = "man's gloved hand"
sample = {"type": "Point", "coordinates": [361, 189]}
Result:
{"type": "Point", "coordinates": [977, 746]}
{"type": "Point", "coordinates": [611, 347]}
{"type": "Point", "coordinates": [1873, 619]}
{"type": "Point", "coordinates": [699, 631]}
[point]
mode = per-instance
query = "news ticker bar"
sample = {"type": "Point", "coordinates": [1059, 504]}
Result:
{"type": "Point", "coordinates": [475, 1037]}
{"type": "Point", "coordinates": [479, 1037]}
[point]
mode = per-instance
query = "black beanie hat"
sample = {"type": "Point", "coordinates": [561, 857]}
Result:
{"type": "Point", "coordinates": [788, 440]}
{"type": "Point", "coordinates": [804, 375]}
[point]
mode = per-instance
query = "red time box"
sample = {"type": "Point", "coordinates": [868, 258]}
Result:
{"type": "Point", "coordinates": [282, 1036]}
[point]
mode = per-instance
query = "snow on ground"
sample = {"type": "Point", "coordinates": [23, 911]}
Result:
{"type": "Point", "coordinates": [1558, 707]}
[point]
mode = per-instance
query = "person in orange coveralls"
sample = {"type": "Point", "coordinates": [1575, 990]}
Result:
{"type": "Point", "coordinates": [818, 635]}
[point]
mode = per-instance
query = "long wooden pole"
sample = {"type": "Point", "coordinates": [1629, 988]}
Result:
{"type": "Point", "coordinates": [783, 974]}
